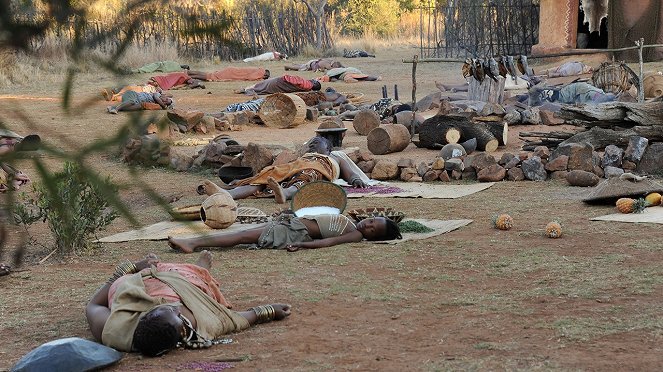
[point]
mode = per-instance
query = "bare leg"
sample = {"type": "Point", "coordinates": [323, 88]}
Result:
{"type": "Point", "coordinates": [205, 260]}
{"type": "Point", "coordinates": [188, 245]}
{"type": "Point", "coordinates": [208, 187]}
{"type": "Point", "coordinates": [279, 194]}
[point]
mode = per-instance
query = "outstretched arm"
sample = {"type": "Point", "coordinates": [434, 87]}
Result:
{"type": "Point", "coordinates": [349, 174]}
{"type": "Point", "coordinates": [351, 237]}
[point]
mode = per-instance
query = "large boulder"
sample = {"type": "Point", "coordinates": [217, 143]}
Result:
{"type": "Point", "coordinates": [652, 160]}
{"type": "Point", "coordinates": [582, 178]}
{"type": "Point", "coordinates": [385, 170]}
{"type": "Point", "coordinates": [68, 354]}
{"type": "Point", "coordinates": [533, 169]}
{"type": "Point", "coordinates": [560, 163]}
{"type": "Point", "coordinates": [580, 155]}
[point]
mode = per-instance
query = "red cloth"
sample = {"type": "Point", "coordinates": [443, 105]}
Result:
{"type": "Point", "coordinates": [170, 80]}
{"type": "Point", "coordinates": [303, 84]}
{"type": "Point", "coordinates": [237, 73]}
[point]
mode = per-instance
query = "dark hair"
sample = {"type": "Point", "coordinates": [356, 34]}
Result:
{"type": "Point", "coordinates": [267, 74]}
{"type": "Point", "coordinates": [154, 337]}
{"type": "Point", "coordinates": [316, 85]}
{"type": "Point", "coordinates": [392, 231]}
{"type": "Point", "coordinates": [403, 107]}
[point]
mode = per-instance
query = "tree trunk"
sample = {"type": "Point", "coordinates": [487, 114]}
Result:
{"type": "Point", "coordinates": [607, 114]}
{"type": "Point", "coordinates": [488, 90]}
{"type": "Point", "coordinates": [388, 138]}
{"type": "Point", "coordinates": [500, 130]}
{"type": "Point", "coordinates": [486, 141]}
{"type": "Point", "coordinates": [365, 121]}
{"type": "Point", "coordinates": [601, 137]}
{"type": "Point", "coordinates": [440, 130]}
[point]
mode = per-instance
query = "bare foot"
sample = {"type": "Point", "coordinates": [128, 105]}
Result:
{"type": "Point", "coordinates": [209, 188]}
{"type": "Point", "coordinates": [111, 109]}
{"type": "Point", "coordinates": [279, 195]}
{"type": "Point", "coordinates": [281, 311]}
{"type": "Point", "coordinates": [180, 245]}
{"type": "Point", "coordinates": [205, 260]}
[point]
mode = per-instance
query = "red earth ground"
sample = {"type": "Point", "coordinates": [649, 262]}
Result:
{"type": "Point", "coordinates": [473, 299]}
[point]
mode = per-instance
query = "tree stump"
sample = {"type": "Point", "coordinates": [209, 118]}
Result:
{"type": "Point", "coordinates": [388, 138]}
{"type": "Point", "coordinates": [486, 141]}
{"type": "Point", "coordinates": [500, 130]}
{"type": "Point", "coordinates": [440, 130]}
{"type": "Point", "coordinates": [488, 90]}
{"type": "Point", "coordinates": [365, 121]}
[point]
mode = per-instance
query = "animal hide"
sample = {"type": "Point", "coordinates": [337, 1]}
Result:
{"type": "Point", "coordinates": [595, 11]}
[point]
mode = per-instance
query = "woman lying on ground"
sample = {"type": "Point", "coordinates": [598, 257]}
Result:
{"type": "Point", "coordinates": [136, 101]}
{"type": "Point", "coordinates": [152, 307]}
{"type": "Point", "coordinates": [282, 181]}
{"type": "Point", "coordinates": [295, 233]}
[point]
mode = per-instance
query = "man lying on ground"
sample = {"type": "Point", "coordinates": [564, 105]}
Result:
{"type": "Point", "coordinates": [10, 177]}
{"type": "Point", "coordinates": [232, 74]}
{"type": "Point", "coordinates": [160, 66]}
{"type": "Point", "coordinates": [136, 101]}
{"type": "Point", "coordinates": [268, 56]}
{"type": "Point", "coordinates": [385, 107]}
{"type": "Point", "coordinates": [568, 69]}
{"type": "Point", "coordinates": [282, 84]}
{"type": "Point", "coordinates": [348, 75]}
{"type": "Point", "coordinates": [282, 181]}
{"type": "Point", "coordinates": [356, 53]}
{"type": "Point", "coordinates": [574, 93]}
{"type": "Point", "coordinates": [320, 64]}
{"type": "Point", "coordinates": [152, 307]}
{"type": "Point", "coordinates": [175, 80]}
{"type": "Point", "coordinates": [295, 233]}
{"type": "Point", "coordinates": [116, 93]}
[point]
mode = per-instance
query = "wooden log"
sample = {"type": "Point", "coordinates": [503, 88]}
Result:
{"type": "Point", "coordinates": [388, 138]}
{"type": "Point", "coordinates": [605, 114]}
{"type": "Point", "coordinates": [440, 130]}
{"type": "Point", "coordinates": [500, 130]}
{"type": "Point", "coordinates": [486, 91]}
{"type": "Point", "coordinates": [486, 141]}
{"type": "Point", "coordinates": [365, 121]}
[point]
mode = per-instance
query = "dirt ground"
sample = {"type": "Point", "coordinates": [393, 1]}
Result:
{"type": "Point", "coordinates": [473, 299]}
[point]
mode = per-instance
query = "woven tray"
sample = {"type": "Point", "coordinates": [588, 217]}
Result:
{"type": "Point", "coordinates": [363, 213]}
{"type": "Point", "coordinates": [319, 194]}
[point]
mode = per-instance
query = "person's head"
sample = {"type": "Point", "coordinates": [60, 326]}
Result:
{"type": "Point", "coordinates": [266, 75]}
{"type": "Point", "coordinates": [316, 85]}
{"type": "Point", "coordinates": [167, 100]}
{"type": "Point", "coordinates": [330, 90]}
{"type": "Point", "coordinates": [336, 64]}
{"type": "Point", "coordinates": [379, 228]}
{"type": "Point", "coordinates": [319, 145]}
{"type": "Point", "coordinates": [158, 331]}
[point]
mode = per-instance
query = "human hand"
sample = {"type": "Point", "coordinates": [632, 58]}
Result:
{"type": "Point", "coordinates": [19, 179]}
{"type": "Point", "coordinates": [293, 247]}
{"type": "Point", "coordinates": [149, 260]}
{"type": "Point", "coordinates": [357, 182]}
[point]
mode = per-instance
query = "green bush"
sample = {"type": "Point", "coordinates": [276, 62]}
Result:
{"type": "Point", "coordinates": [73, 207]}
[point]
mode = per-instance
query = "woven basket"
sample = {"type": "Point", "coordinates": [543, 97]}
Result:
{"type": "Point", "coordinates": [612, 77]}
{"type": "Point", "coordinates": [219, 210]}
{"type": "Point", "coordinates": [363, 213]}
{"type": "Point", "coordinates": [282, 111]}
{"type": "Point", "coordinates": [187, 213]}
{"type": "Point", "coordinates": [355, 98]}
{"type": "Point", "coordinates": [320, 194]}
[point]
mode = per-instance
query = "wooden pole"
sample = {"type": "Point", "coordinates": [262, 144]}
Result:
{"type": "Point", "coordinates": [641, 92]}
{"type": "Point", "coordinates": [414, 93]}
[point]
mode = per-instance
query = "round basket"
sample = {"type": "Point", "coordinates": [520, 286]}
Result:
{"type": "Point", "coordinates": [219, 210]}
{"type": "Point", "coordinates": [282, 111]}
{"type": "Point", "coordinates": [229, 173]}
{"type": "Point", "coordinates": [356, 98]}
{"type": "Point", "coordinates": [187, 213]}
{"type": "Point", "coordinates": [319, 194]}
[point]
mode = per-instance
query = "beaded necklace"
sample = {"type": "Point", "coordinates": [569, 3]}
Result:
{"type": "Point", "coordinates": [199, 342]}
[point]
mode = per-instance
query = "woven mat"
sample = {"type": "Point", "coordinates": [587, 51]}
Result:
{"type": "Point", "coordinates": [650, 215]}
{"type": "Point", "coordinates": [418, 190]}
{"type": "Point", "coordinates": [162, 230]}
{"type": "Point", "coordinates": [440, 227]}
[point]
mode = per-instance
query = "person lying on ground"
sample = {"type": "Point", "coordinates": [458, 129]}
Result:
{"type": "Point", "coordinates": [252, 105]}
{"type": "Point", "coordinates": [232, 74]}
{"type": "Point", "coordinates": [160, 66]}
{"type": "Point", "coordinates": [348, 75]}
{"type": "Point", "coordinates": [320, 64]}
{"type": "Point", "coordinates": [568, 69]}
{"type": "Point", "coordinates": [453, 88]}
{"type": "Point", "coordinates": [116, 93]}
{"type": "Point", "coordinates": [385, 107]}
{"type": "Point", "coordinates": [281, 84]}
{"type": "Point", "coordinates": [152, 307]}
{"type": "Point", "coordinates": [574, 93]}
{"type": "Point", "coordinates": [282, 181]}
{"type": "Point", "coordinates": [295, 233]}
{"type": "Point", "coordinates": [136, 101]}
{"type": "Point", "coordinates": [175, 80]}
{"type": "Point", "coordinates": [10, 177]}
{"type": "Point", "coordinates": [268, 56]}
{"type": "Point", "coordinates": [356, 53]}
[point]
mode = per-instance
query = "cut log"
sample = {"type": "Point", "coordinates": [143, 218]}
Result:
{"type": "Point", "coordinates": [599, 138]}
{"type": "Point", "coordinates": [487, 91]}
{"type": "Point", "coordinates": [500, 130]}
{"type": "Point", "coordinates": [486, 141]}
{"type": "Point", "coordinates": [365, 121]}
{"type": "Point", "coordinates": [606, 114]}
{"type": "Point", "coordinates": [440, 130]}
{"type": "Point", "coordinates": [388, 138]}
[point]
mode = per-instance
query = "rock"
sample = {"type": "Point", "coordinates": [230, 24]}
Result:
{"type": "Point", "coordinates": [636, 149]}
{"type": "Point", "coordinates": [533, 169]}
{"type": "Point", "coordinates": [542, 152]}
{"type": "Point", "coordinates": [559, 175]}
{"type": "Point", "coordinates": [470, 145]}
{"type": "Point", "coordinates": [354, 154]}
{"type": "Point", "coordinates": [147, 150]}
{"type": "Point", "coordinates": [628, 165]}
{"type": "Point", "coordinates": [492, 109]}
{"type": "Point", "coordinates": [366, 155]}
{"type": "Point", "coordinates": [580, 156]}
{"type": "Point", "coordinates": [385, 170]}
{"type": "Point", "coordinates": [560, 163]}
{"type": "Point", "coordinates": [469, 174]}
{"type": "Point", "coordinates": [187, 119]}
{"type": "Point", "coordinates": [408, 173]}
{"type": "Point", "coordinates": [515, 174]}
{"type": "Point", "coordinates": [207, 122]}
{"type": "Point", "coordinates": [493, 173]}
{"type": "Point", "coordinates": [598, 171]}
{"type": "Point", "coordinates": [456, 175]}
{"type": "Point", "coordinates": [549, 118]}
{"type": "Point", "coordinates": [513, 117]}
{"type": "Point", "coordinates": [612, 172]}
{"type": "Point", "coordinates": [438, 164]}
{"type": "Point", "coordinates": [454, 164]}
{"type": "Point", "coordinates": [366, 166]}
{"type": "Point", "coordinates": [405, 163]}
{"type": "Point", "coordinates": [239, 117]}
{"type": "Point", "coordinates": [512, 163]}
{"type": "Point", "coordinates": [324, 106]}
{"type": "Point", "coordinates": [444, 176]}
{"type": "Point", "coordinates": [180, 161]}
{"type": "Point", "coordinates": [612, 157]}
{"type": "Point", "coordinates": [416, 179]}
{"type": "Point", "coordinates": [312, 113]}
{"type": "Point", "coordinates": [531, 116]}
{"type": "Point", "coordinates": [422, 168]}
{"type": "Point", "coordinates": [523, 155]}
{"type": "Point", "coordinates": [506, 157]}
{"type": "Point", "coordinates": [483, 160]}
{"type": "Point", "coordinates": [68, 354]}
{"type": "Point", "coordinates": [257, 157]}
{"type": "Point", "coordinates": [582, 178]}
{"type": "Point", "coordinates": [431, 175]}
{"type": "Point", "coordinates": [652, 160]}
{"type": "Point", "coordinates": [284, 157]}
{"type": "Point", "coordinates": [452, 150]}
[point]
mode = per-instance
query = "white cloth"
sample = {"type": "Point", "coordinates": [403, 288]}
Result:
{"type": "Point", "coordinates": [269, 56]}
{"type": "Point", "coordinates": [355, 168]}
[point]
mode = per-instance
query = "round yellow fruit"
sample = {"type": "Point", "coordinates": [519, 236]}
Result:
{"type": "Point", "coordinates": [653, 199]}
{"type": "Point", "coordinates": [503, 222]}
{"type": "Point", "coordinates": [553, 230]}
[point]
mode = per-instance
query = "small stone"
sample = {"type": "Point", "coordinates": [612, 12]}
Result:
{"type": "Point", "coordinates": [523, 155]}
{"type": "Point", "coordinates": [612, 172]}
{"type": "Point", "coordinates": [444, 176]}
{"type": "Point", "coordinates": [366, 166]}
{"type": "Point", "coordinates": [652, 160]}
{"type": "Point", "coordinates": [558, 164]}
{"type": "Point", "coordinates": [285, 157]}
{"type": "Point", "coordinates": [533, 169]}
{"type": "Point", "coordinates": [628, 165]}
{"type": "Point", "coordinates": [612, 157]}
{"type": "Point", "coordinates": [580, 156]}
{"type": "Point", "coordinates": [598, 171]}
{"type": "Point", "coordinates": [416, 179]}
{"type": "Point", "coordinates": [559, 175]}
{"type": "Point", "coordinates": [506, 157]}
{"type": "Point", "coordinates": [549, 118]}
{"type": "Point", "coordinates": [456, 175]}
{"type": "Point", "coordinates": [454, 164]}
{"type": "Point", "coordinates": [408, 173]}
{"type": "Point", "coordinates": [515, 174]}
{"type": "Point", "coordinates": [406, 163]}
{"type": "Point", "coordinates": [438, 164]}
{"type": "Point", "coordinates": [431, 175]}
{"type": "Point", "coordinates": [312, 113]}
{"type": "Point", "coordinates": [483, 160]}
{"type": "Point", "coordinates": [469, 174]}
{"type": "Point", "coordinates": [542, 152]}
{"type": "Point", "coordinates": [366, 155]}
{"type": "Point", "coordinates": [512, 163]}
{"type": "Point", "coordinates": [493, 173]}
{"type": "Point", "coordinates": [385, 170]}
{"type": "Point", "coordinates": [422, 168]}
{"type": "Point", "coordinates": [582, 178]}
